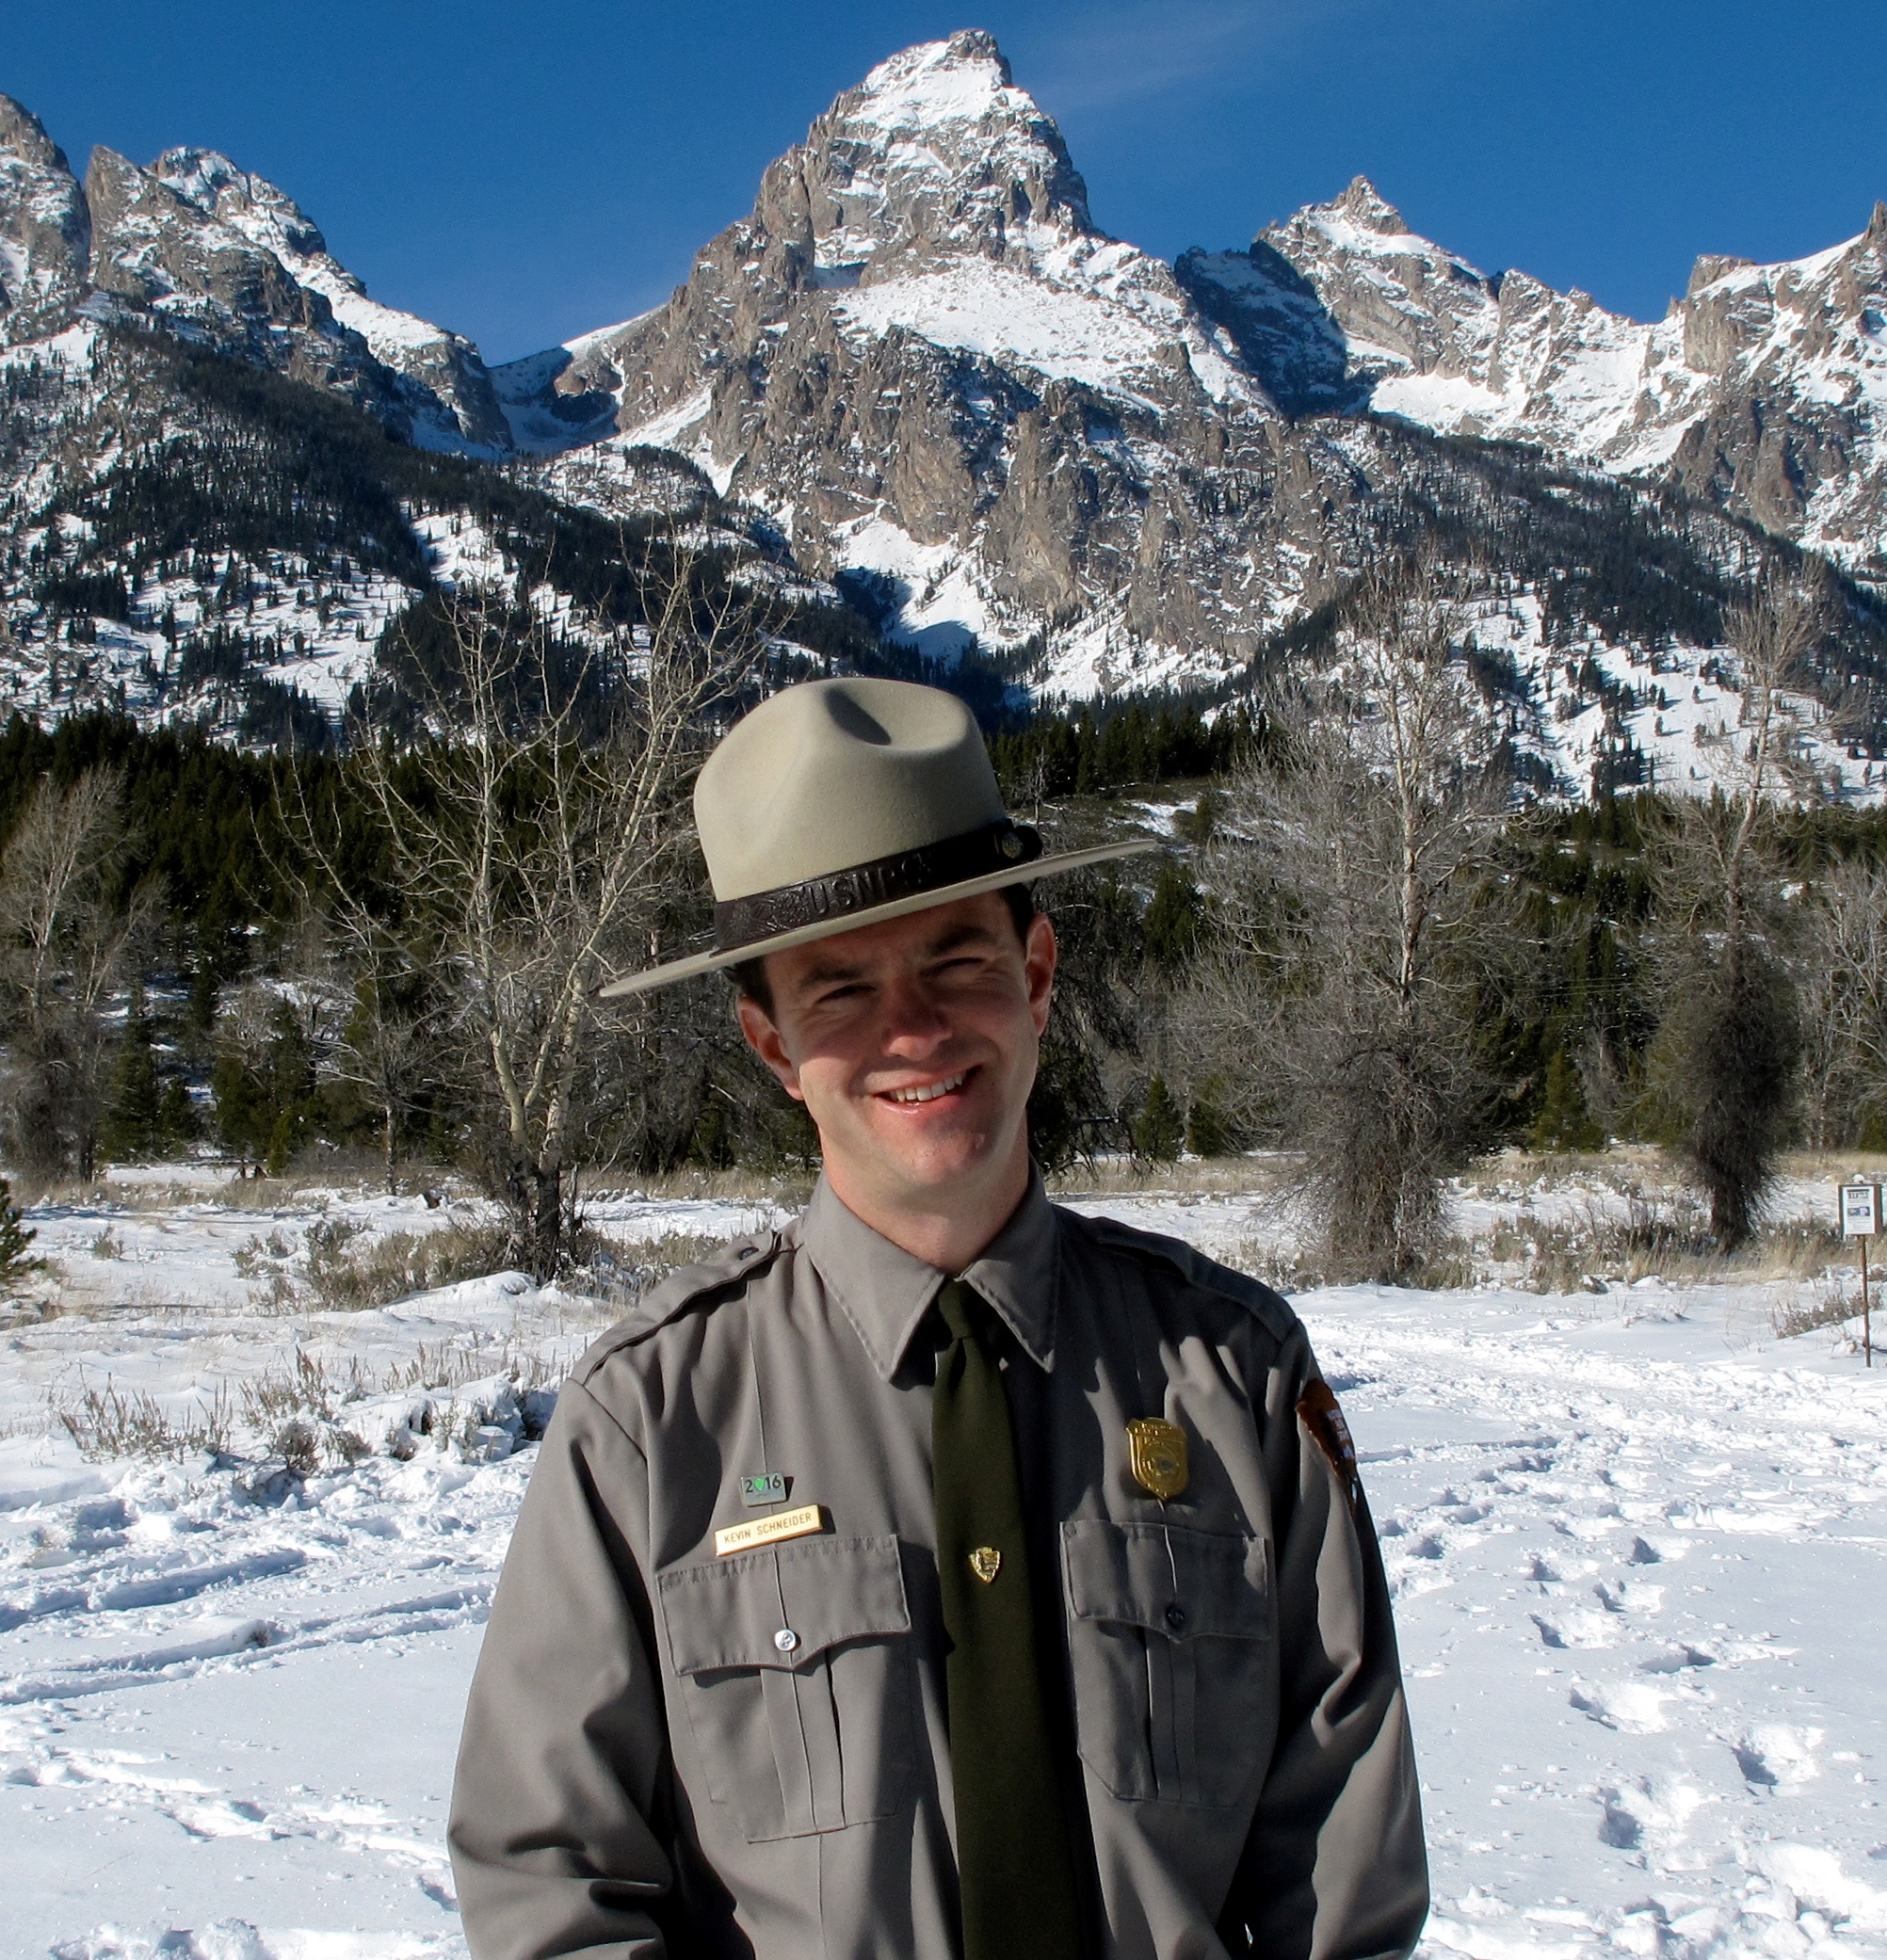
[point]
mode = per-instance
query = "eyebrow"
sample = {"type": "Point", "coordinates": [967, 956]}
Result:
{"type": "Point", "coordinates": [833, 971]}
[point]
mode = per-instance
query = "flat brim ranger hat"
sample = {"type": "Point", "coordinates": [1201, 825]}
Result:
{"type": "Point", "coordinates": [837, 804]}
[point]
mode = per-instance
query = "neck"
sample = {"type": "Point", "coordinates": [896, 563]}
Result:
{"type": "Point", "coordinates": [946, 1228]}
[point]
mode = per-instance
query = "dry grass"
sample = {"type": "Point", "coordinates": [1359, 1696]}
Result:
{"type": "Point", "coordinates": [790, 1188]}
{"type": "Point", "coordinates": [1191, 1177]}
{"type": "Point", "coordinates": [106, 1423]}
{"type": "Point", "coordinates": [1827, 1306]}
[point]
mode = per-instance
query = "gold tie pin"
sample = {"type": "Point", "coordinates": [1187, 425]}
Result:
{"type": "Point", "coordinates": [1157, 1456]}
{"type": "Point", "coordinates": [986, 1562]}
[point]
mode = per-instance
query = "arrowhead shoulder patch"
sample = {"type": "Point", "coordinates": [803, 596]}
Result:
{"type": "Point", "coordinates": [1318, 1412]}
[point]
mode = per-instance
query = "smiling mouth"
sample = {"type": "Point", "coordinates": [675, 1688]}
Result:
{"type": "Point", "coordinates": [929, 1091]}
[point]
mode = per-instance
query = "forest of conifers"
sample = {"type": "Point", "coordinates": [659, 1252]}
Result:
{"type": "Point", "coordinates": [227, 1022]}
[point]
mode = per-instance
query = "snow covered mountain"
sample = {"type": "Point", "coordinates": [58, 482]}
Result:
{"type": "Point", "coordinates": [1763, 390]}
{"type": "Point", "coordinates": [197, 248]}
{"type": "Point", "coordinates": [922, 357]}
{"type": "Point", "coordinates": [922, 377]}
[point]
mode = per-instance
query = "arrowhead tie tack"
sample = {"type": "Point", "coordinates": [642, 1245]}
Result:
{"type": "Point", "coordinates": [986, 1562]}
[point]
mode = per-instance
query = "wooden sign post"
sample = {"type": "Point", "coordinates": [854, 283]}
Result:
{"type": "Point", "coordinates": [1860, 1219]}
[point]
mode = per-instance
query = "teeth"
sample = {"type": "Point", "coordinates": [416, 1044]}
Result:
{"type": "Point", "coordinates": [931, 1092]}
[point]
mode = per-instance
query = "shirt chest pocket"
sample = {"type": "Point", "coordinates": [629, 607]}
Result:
{"type": "Point", "coordinates": [796, 1669]}
{"type": "Point", "coordinates": [1175, 1669]}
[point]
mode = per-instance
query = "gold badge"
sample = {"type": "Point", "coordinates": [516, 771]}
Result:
{"type": "Point", "coordinates": [1157, 1455]}
{"type": "Point", "coordinates": [986, 1562]}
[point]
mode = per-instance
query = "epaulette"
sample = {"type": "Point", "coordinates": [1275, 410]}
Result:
{"type": "Point", "coordinates": [1193, 1266]}
{"type": "Point", "coordinates": [684, 1290]}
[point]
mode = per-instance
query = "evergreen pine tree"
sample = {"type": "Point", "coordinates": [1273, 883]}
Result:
{"type": "Point", "coordinates": [1564, 1122]}
{"type": "Point", "coordinates": [1159, 1130]}
{"type": "Point", "coordinates": [238, 1097]}
{"type": "Point", "coordinates": [16, 1237]}
{"type": "Point", "coordinates": [176, 1115]}
{"type": "Point", "coordinates": [131, 1117]}
{"type": "Point", "coordinates": [1209, 1131]}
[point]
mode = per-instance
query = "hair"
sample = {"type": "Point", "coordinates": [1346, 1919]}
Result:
{"type": "Point", "coordinates": [749, 975]}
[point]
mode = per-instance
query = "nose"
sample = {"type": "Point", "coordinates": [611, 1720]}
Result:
{"type": "Point", "coordinates": [912, 1021]}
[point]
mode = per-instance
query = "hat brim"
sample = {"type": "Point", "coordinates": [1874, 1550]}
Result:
{"type": "Point", "coordinates": [872, 915]}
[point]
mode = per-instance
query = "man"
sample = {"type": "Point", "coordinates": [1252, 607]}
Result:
{"type": "Point", "coordinates": [944, 1574]}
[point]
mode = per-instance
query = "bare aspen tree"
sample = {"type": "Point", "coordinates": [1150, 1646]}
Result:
{"type": "Point", "coordinates": [531, 826]}
{"type": "Point", "coordinates": [1365, 922]}
{"type": "Point", "coordinates": [1724, 1061]}
{"type": "Point", "coordinates": [1840, 968]}
{"type": "Point", "coordinates": [66, 943]}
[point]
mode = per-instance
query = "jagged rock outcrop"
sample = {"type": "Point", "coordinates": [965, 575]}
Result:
{"type": "Point", "coordinates": [924, 356]}
{"type": "Point", "coordinates": [44, 231]}
{"type": "Point", "coordinates": [211, 251]}
{"type": "Point", "coordinates": [195, 246]}
{"type": "Point", "coordinates": [450, 397]}
{"type": "Point", "coordinates": [1763, 389]}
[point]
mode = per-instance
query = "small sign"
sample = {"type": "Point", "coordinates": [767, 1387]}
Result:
{"type": "Point", "coordinates": [801, 1523]}
{"type": "Point", "coordinates": [1859, 1211]}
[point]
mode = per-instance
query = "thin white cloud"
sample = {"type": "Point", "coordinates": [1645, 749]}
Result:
{"type": "Point", "coordinates": [1120, 54]}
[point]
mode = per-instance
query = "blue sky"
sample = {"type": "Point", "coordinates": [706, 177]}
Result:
{"type": "Point", "coordinates": [525, 173]}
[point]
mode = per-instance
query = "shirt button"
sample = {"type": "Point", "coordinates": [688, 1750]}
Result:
{"type": "Point", "coordinates": [1175, 1618]}
{"type": "Point", "coordinates": [787, 1639]}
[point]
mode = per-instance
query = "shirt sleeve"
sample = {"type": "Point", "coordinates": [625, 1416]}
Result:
{"type": "Point", "coordinates": [1334, 1866]}
{"type": "Point", "coordinates": [563, 1760]}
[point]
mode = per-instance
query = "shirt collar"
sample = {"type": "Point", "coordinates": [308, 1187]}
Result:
{"type": "Point", "coordinates": [885, 1291]}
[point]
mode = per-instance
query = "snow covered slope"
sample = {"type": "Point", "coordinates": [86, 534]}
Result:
{"type": "Point", "coordinates": [1763, 390]}
{"type": "Point", "coordinates": [1634, 1544]}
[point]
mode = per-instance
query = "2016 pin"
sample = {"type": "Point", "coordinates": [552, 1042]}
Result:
{"type": "Point", "coordinates": [1157, 1456]}
{"type": "Point", "coordinates": [769, 1488]}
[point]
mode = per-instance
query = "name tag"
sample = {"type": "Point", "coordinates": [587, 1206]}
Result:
{"type": "Point", "coordinates": [801, 1523]}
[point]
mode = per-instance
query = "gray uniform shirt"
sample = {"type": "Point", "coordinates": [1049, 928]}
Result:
{"type": "Point", "coordinates": [673, 1753]}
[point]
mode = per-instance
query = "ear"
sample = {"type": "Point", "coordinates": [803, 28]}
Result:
{"type": "Point", "coordinates": [762, 1037]}
{"type": "Point", "coordinates": [1039, 952]}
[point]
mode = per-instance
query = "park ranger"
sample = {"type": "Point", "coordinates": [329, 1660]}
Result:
{"type": "Point", "coordinates": [944, 1574]}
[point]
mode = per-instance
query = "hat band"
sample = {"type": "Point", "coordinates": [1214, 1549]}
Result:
{"type": "Point", "coordinates": [931, 867]}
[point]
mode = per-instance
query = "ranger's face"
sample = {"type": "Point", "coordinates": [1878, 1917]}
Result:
{"type": "Point", "coordinates": [913, 1045]}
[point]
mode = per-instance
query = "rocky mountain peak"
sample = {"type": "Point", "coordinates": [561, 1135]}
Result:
{"type": "Point", "coordinates": [24, 138]}
{"type": "Point", "coordinates": [220, 190]}
{"type": "Point", "coordinates": [1710, 267]}
{"type": "Point", "coordinates": [935, 153]}
{"type": "Point", "coordinates": [44, 230]}
{"type": "Point", "coordinates": [1366, 206]}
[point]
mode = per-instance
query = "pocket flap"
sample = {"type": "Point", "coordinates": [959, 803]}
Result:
{"type": "Point", "coordinates": [1183, 1583]}
{"type": "Point", "coordinates": [738, 1612]}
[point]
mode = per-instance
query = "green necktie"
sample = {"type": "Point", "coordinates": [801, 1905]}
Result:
{"type": "Point", "coordinates": [1015, 1872]}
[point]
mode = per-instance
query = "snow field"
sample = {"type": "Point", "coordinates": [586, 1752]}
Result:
{"type": "Point", "coordinates": [1635, 1542]}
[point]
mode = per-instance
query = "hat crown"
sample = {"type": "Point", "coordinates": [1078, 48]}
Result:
{"type": "Point", "coordinates": [832, 774]}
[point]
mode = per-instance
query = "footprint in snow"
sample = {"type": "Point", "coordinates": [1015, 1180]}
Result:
{"type": "Point", "coordinates": [1630, 1595]}
{"type": "Point", "coordinates": [1631, 1707]}
{"type": "Point", "coordinates": [1778, 1756]}
{"type": "Point", "coordinates": [1647, 1813]}
{"type": "Point", "coordinates": [1576, 1627]}
{"type": "Point", "coordinates": [1678, 1658]}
